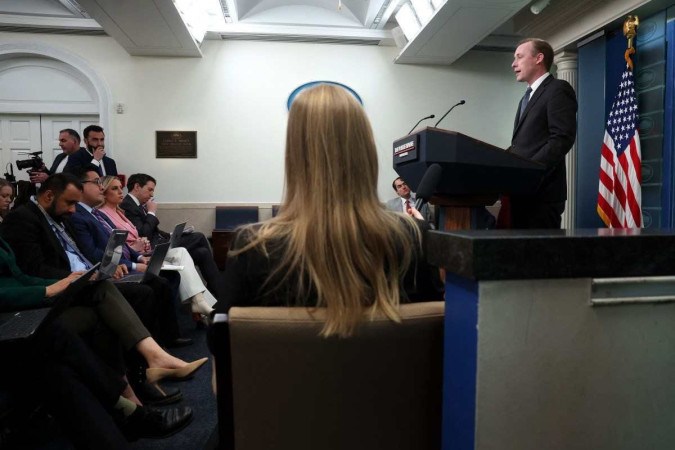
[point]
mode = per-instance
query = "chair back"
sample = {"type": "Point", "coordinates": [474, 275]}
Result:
{"type": "Point", "coordinates": [289, 388]}
{"type": "Point", "coordinates": [229, 218]}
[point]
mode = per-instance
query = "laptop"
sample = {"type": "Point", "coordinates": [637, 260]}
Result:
{"type": "Point", "coordinates": [154, 266]}
{"type": "Point", "coordinates": [24, 324]}
{"type": "Point", "coordinates": [176, 235]}
{"type": "Point", "coordinates": [112, 253]}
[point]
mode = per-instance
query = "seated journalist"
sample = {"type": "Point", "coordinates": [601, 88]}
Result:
{"type": "Point", "coordinates": [333, 244]}
{"type": "Point", "coordinates": [191, 289]}
{"type": "Point", "coordinates": [140, 208]}
{"type": "Point", "coordinates": [91, 237]}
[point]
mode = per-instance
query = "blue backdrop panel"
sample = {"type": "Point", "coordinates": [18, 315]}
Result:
{"type": "Point", "coordinates": [650, 68]}
{"type": "Point", "coordinates": [667, 195]}
{"type": "Point", "coordinates": [590, 131]}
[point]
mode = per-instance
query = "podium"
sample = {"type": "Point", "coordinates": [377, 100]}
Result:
{"type": "Point", "coordinates": [475, 173]}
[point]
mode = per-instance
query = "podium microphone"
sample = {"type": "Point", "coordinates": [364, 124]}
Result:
{"type": "Point", "coordinates": [453, 107]}
{"type": "Point", "coordinates": [428, 184]}
{"type": "Point", "coordinates": [420, 121]}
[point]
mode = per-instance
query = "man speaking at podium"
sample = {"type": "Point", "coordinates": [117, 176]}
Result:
{"type": "Point", "coordinates": [544, 131]}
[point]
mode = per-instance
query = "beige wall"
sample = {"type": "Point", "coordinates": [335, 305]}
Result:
{"type": "Point", "coordinates": [235, 98]}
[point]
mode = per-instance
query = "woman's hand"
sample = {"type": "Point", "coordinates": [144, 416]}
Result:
{"type": "Point", "coordinates": [61, 285]}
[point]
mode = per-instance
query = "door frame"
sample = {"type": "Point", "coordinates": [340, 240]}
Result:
{"type": "Point", "coordinates": [19, 49]}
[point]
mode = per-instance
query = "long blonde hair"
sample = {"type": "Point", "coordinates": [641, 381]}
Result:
{"type": "Point", "coordinates": [332, 225]}
{"type": "Point", "coordinates": [106, 181]}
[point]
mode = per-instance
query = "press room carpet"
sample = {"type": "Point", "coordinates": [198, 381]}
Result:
{"type": "Point", "coordinates": [197, 394]}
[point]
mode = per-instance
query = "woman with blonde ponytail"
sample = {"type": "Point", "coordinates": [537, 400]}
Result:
{"type": "Point", "coordinates": [332, 244]}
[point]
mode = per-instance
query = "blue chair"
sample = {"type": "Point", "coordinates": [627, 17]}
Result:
{"type": "Point", "coordinates": [230, 217]}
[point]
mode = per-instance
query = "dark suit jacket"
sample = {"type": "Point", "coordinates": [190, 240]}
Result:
{"type": "Point", "coordinates": [56, 163]}
{"type": "Point", "coordinates": [545, 133]}
{"type": "Point", "coordinates": [38, 251]}
{"type": "Point", "coordinates": [83, 158]}
{"type": "Point", "coordinates": [92, 237]}
{"type": "Point", "coordinates": [146, 224]}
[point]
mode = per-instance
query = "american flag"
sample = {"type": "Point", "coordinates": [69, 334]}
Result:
{"type": "Point", "coordinates": [619, 193]}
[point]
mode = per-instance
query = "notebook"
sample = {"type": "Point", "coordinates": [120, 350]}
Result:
{"type": "Point", "coordinates": [23, 324]}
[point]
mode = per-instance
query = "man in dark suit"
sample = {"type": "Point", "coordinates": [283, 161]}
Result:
{"type": "Point", "coordinates": [544, 131]}
{"type": "Point", "coordinates": [69, 141]}
{"type": "Point", "coordinates": [140, 208]}
{"type": "Point", "coordinates": [93, 153]}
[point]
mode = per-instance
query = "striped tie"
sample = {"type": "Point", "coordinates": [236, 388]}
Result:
{"type": "Point", "coordinates": [69, 244]}
{"type": "Point", "coordinates": [101, 218]}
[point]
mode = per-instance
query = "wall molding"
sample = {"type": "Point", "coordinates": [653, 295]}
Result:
{"type": "Point", "coordinates": [23, 49]}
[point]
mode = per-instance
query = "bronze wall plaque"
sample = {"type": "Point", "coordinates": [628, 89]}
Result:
{"type": "Point", "coordinates": [176, 144]}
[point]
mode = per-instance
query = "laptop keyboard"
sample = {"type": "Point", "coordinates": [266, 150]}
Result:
{"type": "Point", "coordinates": [133, 278]}
{"type": "Point", "coordinates": [22, 326]}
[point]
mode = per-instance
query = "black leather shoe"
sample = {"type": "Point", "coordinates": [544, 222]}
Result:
{"type": "Point", "coordinates": [153, 423]}
{"type": "Point", "coordinates": [154, 394]}
{"type": "Point", "coordinates": [179, 342]}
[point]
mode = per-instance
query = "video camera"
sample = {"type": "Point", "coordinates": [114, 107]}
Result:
{"type": "Point", "coordinates": [34, 162]}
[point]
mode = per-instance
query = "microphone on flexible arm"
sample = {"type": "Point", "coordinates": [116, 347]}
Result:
{"type": "Point", "coordinates": [427, 185]}
{"type": "Point", "coordinates": [461, 102]}
{"type": "Point", "coordinates": [420, 121]}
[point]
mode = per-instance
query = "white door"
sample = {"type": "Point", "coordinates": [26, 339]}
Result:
{"type": "Point", "coordinates": [19, 135]}
{"type": "Point", "coordinates": [22, 134]}
{"type": "Point", "coordinates": [52, 125]}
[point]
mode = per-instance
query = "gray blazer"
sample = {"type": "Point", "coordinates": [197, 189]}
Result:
{"type": "Point", "coordinates": [395, 204]}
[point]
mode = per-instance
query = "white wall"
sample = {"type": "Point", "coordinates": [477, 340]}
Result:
{"type": "Point", "coordinates": [235, 98]}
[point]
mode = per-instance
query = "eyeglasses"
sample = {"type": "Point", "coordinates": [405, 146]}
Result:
{"type": "Point", "coordinates": [95, 181]}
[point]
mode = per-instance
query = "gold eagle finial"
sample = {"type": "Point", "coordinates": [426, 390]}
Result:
{"type": "Point", "coordinates": [630, 26]}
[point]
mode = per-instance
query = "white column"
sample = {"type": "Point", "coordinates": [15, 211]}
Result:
{"type": "Point", "coordinates": [566, 64]}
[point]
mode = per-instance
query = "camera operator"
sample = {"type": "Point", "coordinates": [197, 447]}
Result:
{"type": "Point", "coordinates": [69, 141]}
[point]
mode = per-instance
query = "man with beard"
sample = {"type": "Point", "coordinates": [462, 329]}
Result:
{"type": "Point", "coordinates": [93, 153]}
